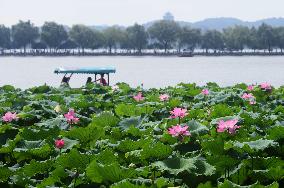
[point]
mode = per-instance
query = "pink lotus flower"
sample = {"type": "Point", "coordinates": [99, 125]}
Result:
{"type": "Point", "coordinates": [179, 131]}
{"type": "Point", "coordinates": [59, 143]}
{"type": "Point", "coordinates": [222, 126]}
{"type": "Point", "coordinates": [265, 86]}
{"type": "Point", "coordinates": [71, 118]}
{"type": "Point", "coordinates": [178, 113]}
{"type": "Point", "coordinates": [164, 97]}
{"type": "Point", "coordinates": [205, 92]}
{"type": "Point", "coordinates": [229, 125]}
{"type": "Point", "coordinates": [9, 117]}
{"type": "Point", "coordinates": [138, 97]}
{"type": "Point", "coordinates": [247, 96]}
{"type": "Point", "coordinates": [250, 87]}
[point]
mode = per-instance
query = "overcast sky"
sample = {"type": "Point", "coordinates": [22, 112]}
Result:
{"type": "Point", "coordinates": [127, 12]}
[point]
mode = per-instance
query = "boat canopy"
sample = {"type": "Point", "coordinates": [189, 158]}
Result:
{"type": "Point", "coordinates": [85, 70]}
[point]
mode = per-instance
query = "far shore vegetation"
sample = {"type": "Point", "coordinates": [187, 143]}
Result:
{"type": "Point", "coordinates": [164, 37]}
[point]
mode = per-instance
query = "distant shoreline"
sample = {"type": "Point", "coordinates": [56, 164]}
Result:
{"type": "Point", "coordinates": [170, 54]}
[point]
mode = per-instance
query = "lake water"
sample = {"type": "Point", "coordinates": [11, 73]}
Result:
{"type": "Point", "coordinates": [25, 72]}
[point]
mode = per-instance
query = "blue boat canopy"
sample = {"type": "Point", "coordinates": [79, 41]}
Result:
{"type": "Point", "coordinates": [85, 70]}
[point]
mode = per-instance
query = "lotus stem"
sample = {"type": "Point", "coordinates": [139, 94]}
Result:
{"type": "Point", "coordinates": [251, 162]}
{"type": "Point", "coordinates": [238, 176]}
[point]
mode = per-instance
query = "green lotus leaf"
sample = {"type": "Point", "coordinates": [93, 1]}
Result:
{"type": "Point", "coordinates": [31, 134]}
{"type": "Point", "coordinates": [174, 102]}
{"type": "Point", "coordinates": [10, 145]}
{"type": "Point", "coordinates": [35, 167]}
{"type": "Point", "coordinates": [149, 151]}
{"type": "Point", "coordinates": [257, 145]}
{"type": "Point", "coordinates": [106, 157]}
{"type": "Point", "coordinates": [5, 173]}
{"type": "Point", "coordinates": [21, 180]}
{"type": "Point", "coordinates": [141, 183]}
{"type": "Point", "coordinates": [127, 184]}
{"type": "Point", "coordinates": [205, 185]}
{"type": "Point", "coordinates": [214, 146]}
{"type": "Point", "coordinates": [85, 134]}
{"type": "Point", "coordinates": [196, 166]}
{"type": "Point", "coordinates": [275, 174]}
{"type": "Point", "coordinates": [124, 88]}
{"type": "Point", "coordinates": [176, 165]}
{"type": "Point", "coordinates": [68, 144]}
{"type": "Point", "coordinates": [196, 128]}
{"type": "Point", "coordinates": [221, 110]}
{"type": "Point", "coordinates": [130, 145]}
{"type": "Point", "coordinates": [129, 110]}
{"type": "Point", "coordinates": [99, 173]}
{"type": "Point", "coordinates": [276, 133]}
{"type": "Point", "coordinates": [155, 151]}
{"type": "Point", "coordinates": [40, 89]}
{"type": "Point", "coordinates": [55, 177]}
{"type": "Point", "coordinates": [7, 88]}
{"type": "Point", "coordinates": [126, 123]}
{"type": "Point", "coordinates": [229, 184]}
{"type": "Point", "coordinates": [29, 149]}
{"type": "Point", "coordinates": [105, 119]}
{"type": "Point", "coordinates": [26, 145]}
{"type": "Point", "coordinates": [56, 122]}
{"type": "Point", "coordinates": [74, 159]}
{"type": "Point", "coordinates": [7, 132]}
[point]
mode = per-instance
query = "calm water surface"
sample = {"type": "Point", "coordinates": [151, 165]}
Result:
{"type": "Point", "coordinates": [27, 72]}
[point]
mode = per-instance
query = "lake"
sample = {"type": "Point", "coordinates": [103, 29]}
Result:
{"type": "Point", "coordinates": [25, 72]}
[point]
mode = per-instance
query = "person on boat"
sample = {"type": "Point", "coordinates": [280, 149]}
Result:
{"type": "Point", "coordinates": [102, 80]}
{"type": "Point", "coordinates": [89, 80]}
{"type": "Point", "coordinates": [65, 80]}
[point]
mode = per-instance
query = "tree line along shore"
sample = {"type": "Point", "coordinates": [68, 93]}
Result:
{"type": "Point", "coordinates": [162, 38]}
{"type": "Point", "coordinates": [155, 54]}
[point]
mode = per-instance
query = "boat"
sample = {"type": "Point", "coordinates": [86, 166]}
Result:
{"type": "Point", "coordinates": [185, 54]}
{"type": "Point", "coordinates": [85, 70]}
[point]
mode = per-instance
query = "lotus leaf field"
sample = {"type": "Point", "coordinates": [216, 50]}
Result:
{"type": "Point", "coordinates": [123, 137]}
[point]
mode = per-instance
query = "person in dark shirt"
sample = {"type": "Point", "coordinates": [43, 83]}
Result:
{"type": "Point", "coordinates": [65, 80]}
{"type": "Point", "coordinates": [89, 80]}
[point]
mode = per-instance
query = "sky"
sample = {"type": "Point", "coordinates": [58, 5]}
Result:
{"type": "Point", "coordinates": [128, 12]}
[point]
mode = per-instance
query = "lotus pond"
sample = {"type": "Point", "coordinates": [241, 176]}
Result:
{"type": "Point", "coordinates": [122, 137]}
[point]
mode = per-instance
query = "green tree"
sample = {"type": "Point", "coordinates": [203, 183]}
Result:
{"type": "Point", "coordinates": [266, 36]}
{"type": "Point", "coordinates": [279, 32]}
{"type": "Point", "coordinates": [236, 38]}
{"type": "Point", "coordinates": [53, 34]}
{"type": "Point", "coordinates": [24, 34]}
{"type": "Point", "coordinates": [188, 38]}
{"type": "Point", "coordinates": [165, 32]}
{"type": "Point", "coordinates": [212, 39]}
{"type": "Point", "coordinates": [253, 41]}
{"type": "Point", "coordinates": [99, 39]}
{"type": "Point", "coordinates": [113, 37]}
{"type": "Point", "coordinates": [137, 37]}
{"type": "Point", "coordinates": [5, 37]}
{"type": "Point", "coordinates": [125, 42]}
{"type": "Point", "coordinates": [84, 36]}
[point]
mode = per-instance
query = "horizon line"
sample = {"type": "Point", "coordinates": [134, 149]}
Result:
{"type": "Point", "coordinates": [117, 24]}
